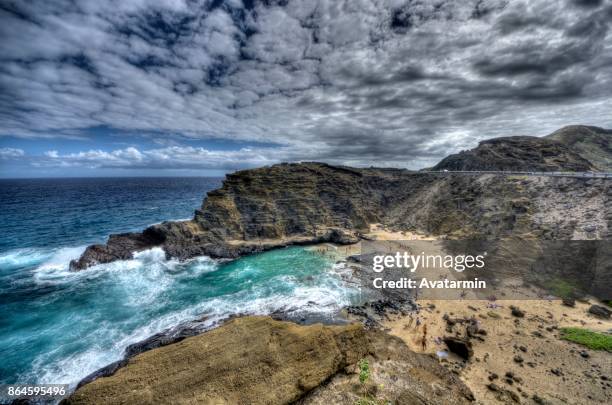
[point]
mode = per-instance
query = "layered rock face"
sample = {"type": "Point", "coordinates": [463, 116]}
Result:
{"type": "Point", "coordinates": [303, 203]}
{"type": "Point", "coordinates": [257, 210]}
{"type": "Point", "coordinates": [517, 153]}
{"type": "Point", "coordinates": [258, 360]}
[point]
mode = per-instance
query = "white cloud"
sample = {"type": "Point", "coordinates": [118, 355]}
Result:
{"type": "Point", "coordinates": [173, 157]}
{"type": "Point", "coordinates": [11, 153]}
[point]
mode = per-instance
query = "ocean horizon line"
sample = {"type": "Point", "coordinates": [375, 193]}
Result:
{"type": "Point", "coordinates": [108, 177]}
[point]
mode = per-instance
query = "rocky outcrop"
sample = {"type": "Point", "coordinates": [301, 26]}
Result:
{"type": "Point", "coordinates": [119, 247]}
{"type": "Point", "coordinates": [255, 210]}
{"type": "Point", "coordinates": [258, 360]}
{"type": "Point", "coordinates": [285, 204]}
{"type": "Point", "coordinates": [517, 153]}
{"type": "Point", "coordinates": [592, 143]}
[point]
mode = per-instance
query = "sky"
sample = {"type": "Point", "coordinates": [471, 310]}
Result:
{"type": "Point", "coordinates": [201, 87]}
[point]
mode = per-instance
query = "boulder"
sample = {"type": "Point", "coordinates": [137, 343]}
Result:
{"type": "Point", "coordinates": [600, 312]}
{"type": "Point", "coordinates": [517, 312]}
{"type": "Point", "coordinates": [569, 302]}
{"type": "Point", "coordinates": [460, 346]}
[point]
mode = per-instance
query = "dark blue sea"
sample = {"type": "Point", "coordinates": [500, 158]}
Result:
{"type": "Point", "coordinates": [58, 326]}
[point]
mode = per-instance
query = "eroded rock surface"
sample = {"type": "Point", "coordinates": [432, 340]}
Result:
{"type": "Point", "coordinates": [258, 360]}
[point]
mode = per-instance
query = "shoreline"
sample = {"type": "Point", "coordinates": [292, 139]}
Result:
{"type": "Point", "coordinates": [409, 320]}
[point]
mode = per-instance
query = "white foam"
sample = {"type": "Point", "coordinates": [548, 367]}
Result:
{"type": "Point", "coordinates": [203, 264]}
{"type": "Point", "coordinates": [153, 255]}
{"type": "Point", "coordinates": [19, 258]}
{"type": "Point", "coordinates": [144, 278]}
{"type": "Point", "coordinates": [172, 220]}
{"type": "Point", "coordinates": [325, 298]}
{"type": "Point", "coordinates": [71, 369]}
{"type": "Point", "coordinates": [56, 267]}
{"type": "Point", "coordinates": [150, 274]}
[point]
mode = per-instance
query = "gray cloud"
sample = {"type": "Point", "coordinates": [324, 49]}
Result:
{"type": "Point", "coordinates": [382, 82]}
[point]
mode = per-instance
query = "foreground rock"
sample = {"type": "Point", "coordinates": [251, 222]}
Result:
{"type": "Point", "coordinates": [258, 360]}
{"type": "Point", "coordinates": [304, 203]}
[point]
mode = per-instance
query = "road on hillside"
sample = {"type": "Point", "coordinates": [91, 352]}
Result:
{"type": "Point", "coordinates": [509, 173]}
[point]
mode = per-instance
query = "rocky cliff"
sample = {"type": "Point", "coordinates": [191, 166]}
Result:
{"type": "Point", "coordinates": [260, 209]}
{"type": "Point", "coordinates": [257, 360]}
{"type": "Point", "coordinates": [303, 203]}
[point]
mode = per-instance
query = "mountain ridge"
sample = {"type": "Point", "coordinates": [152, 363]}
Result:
{"type": "Point", "coordinates": [574, 148]}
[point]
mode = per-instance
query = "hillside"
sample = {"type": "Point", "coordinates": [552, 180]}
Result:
{"type": "Point", "coordinates": [517, 153]}
{"type": "Point", "coordinates": [592, 143]}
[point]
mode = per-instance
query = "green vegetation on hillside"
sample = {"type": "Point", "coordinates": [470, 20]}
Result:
{"type": "Point", "coordinates": [590, 339]}
{"type": "Point", "coordinates": [562, 288]}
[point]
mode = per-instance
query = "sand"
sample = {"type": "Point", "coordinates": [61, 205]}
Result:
{"type": "Point", "coordinates": [507, 337]}
{"type": "Point", "coordinates": [546, 369]}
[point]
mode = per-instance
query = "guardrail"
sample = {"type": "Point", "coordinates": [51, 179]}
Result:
{"type": "Point", "coordinates": [510, 173]}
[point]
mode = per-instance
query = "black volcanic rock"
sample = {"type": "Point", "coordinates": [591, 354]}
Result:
{"type": "Point", "coordinates": [460, 346]}
{"type": "Point", "coordinates": [517, 153]}
{"type": "Point", "coordinates": [118, 247]}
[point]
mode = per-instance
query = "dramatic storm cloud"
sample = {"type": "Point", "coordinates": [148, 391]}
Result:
{"type": "Point", "coordinates": [362, 82]}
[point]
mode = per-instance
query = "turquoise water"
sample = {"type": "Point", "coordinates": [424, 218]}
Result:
{"type": "Point", "coordinates": [58, 326]}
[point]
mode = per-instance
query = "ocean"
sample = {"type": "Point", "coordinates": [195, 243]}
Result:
{"type": "Point", "coordinates": [58, 326]}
